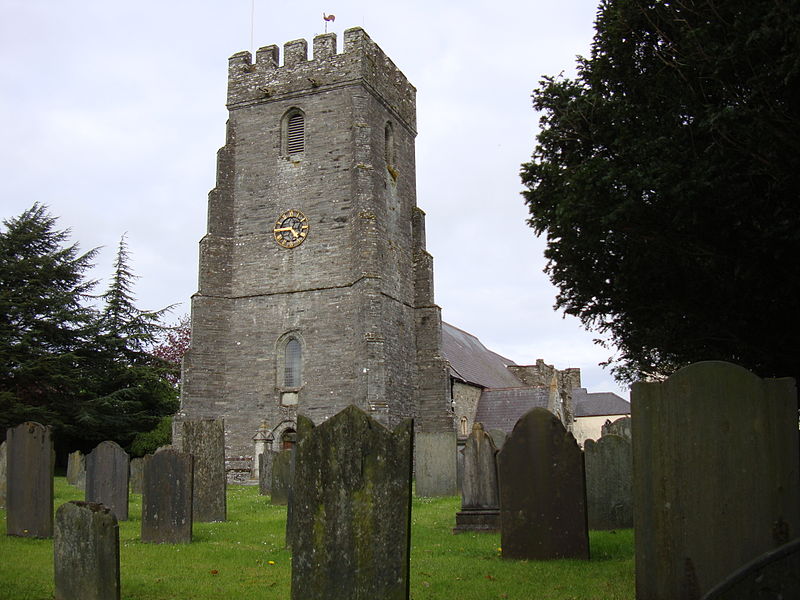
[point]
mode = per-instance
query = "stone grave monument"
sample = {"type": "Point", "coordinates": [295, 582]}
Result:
{"type": "Point", "coordinates": [265, 460]}
{"type": "Point", "coordinates": [281, 477]}
{"type": "Point", "coordinates": [107, 472]}
{"type": "Point", "coordinates": [29, 479]}
{"type": "Point", "coordinates": [480, 496]}
{"type": "Point", "coordinates": [715, 476]}
{"type": "Point", "coordinates": [3, 475]}
{"type": "Point", "coordinates": [205, 440]}
{"type": "Point", "coordinates": [86, 552]}
{"type": "Point", "coordinates": [542, 491]}
{"type": "Point", "coordinates": [609, 472]}
{"type": "Point", "coordinates": [621, 426]}
{"type": "Point", "coordinates": [352, 509]}
{"type": "Point", "coordinates": [167, 498]}
{"type": "Point", "coordinates": [76, 463]}
{"type": "Point", "coordinates": [137, 473]}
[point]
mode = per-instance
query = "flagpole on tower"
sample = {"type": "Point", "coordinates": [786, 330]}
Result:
{"type": "Point", "coordinates": [252, 23]}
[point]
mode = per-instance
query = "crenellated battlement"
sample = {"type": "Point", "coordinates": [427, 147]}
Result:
{"type": "Point", "coordinates": [361, 61]}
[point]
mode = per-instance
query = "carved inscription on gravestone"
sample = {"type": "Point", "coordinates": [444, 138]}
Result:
{"type": "Point", "coordinates": [167, 498]}
{"type": "Point", "coordinates": [29, 477]}
{"type": "Point", "coordinates": [86, 552]}
{"type": "Point", "coordinates": [107, 472]}
{"type": "Point", "coordinates": [205, 440]}
{"type": "Point", "coordinates": [352, 509]}
{"type": "Point", "coordinates": [609, 472]}
{"type": "Point", "coordinates": [542, 491]}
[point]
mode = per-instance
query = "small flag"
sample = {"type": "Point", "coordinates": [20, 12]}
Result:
{"type": "Point", "coordinates": [328, 17]}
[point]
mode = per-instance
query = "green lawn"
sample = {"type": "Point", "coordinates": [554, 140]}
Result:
{"type": "Point", "coordinates": [244, 558]}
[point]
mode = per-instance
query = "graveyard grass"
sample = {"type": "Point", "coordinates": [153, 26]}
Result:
{"type": "Point", "coordinates": [245, 558]}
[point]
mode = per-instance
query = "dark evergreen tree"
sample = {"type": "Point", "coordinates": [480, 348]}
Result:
{"type": "Point", "coordinates": [666, 177]}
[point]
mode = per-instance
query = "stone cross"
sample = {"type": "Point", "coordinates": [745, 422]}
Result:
{"type": "Point", "coordinates": [352, 509]}
{"type": "Point", "coordinates": [542, 491]}
{"type": "Point", "coordinates": [480, 496]}
{"type": "Point", "coordinates": [167, 498]}
{"type": "Point", "coordinates": [715, 476]}
{"type": "Point", "coordinates": [205, 441]}
{"type": "Point", "coordinates": [29, 478]}
{"type": "Point", "coordinates": [107, 473]}
{"type": "Point", "coordinates": [86, 552]}
{"type": "Point", "coordinates": [609, 472]}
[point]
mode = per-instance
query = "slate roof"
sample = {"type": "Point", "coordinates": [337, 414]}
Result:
{"type": "Point", "coordinates": [502, 408]}
{"type": "Point", "coordinates": [586, 404]}
{"type": "Point", "coordinates": [474, 363]}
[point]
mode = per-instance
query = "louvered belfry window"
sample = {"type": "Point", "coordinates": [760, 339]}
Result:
{"type": "Point", "coordinates": [295, 134]}
{"type": "Point", "coordinates": [293, 363]}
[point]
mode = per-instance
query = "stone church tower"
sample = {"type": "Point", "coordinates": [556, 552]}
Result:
{"type": "Point", "coordinates": [315, 288]}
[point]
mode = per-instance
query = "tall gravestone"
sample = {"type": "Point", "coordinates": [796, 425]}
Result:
{"type": "Point", "coordinates": [3, 475]}
{"type": "Point", "coordinates": [480, 495]}
{"type": "Point", "coordinates": [205, 441]}
{"type": "Point", "coordinates": [498, 437]}
{"type": "Point", "coordinates": [107, 473]}
{"type": "Point", "coordinates": [29, 479]}
{"type": "Point", "coordinates": [715, 463]}
{"type": "Point", "coordinates": [137, 475]}
{"type": "Point", "coordinates": [352, 509]}
{"type": "Point", "coordinates": [86, 552]}
{"type": "Point", "coordinates": [265, 460]}
{"type": "Point", "coordinates": [281, 477]}
{"type": "Point", "coordinates": [76, 463]}
{"type": "Point", "coordinates": [167, 498]}
{"type": "Point", "coordinates": [609, 473]}
{"type": "Point", "coordinates": [435, 464]}
{"type": "Point", "coordinates": [542, 491]}
{"type": "Point", "coordinates": [621, 427]}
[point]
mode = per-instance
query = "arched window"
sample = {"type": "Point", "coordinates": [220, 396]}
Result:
{"type": "Point", "coordinates": [464, 426]}
{"type": "Point", "coordinates": [294, 132]}
{"type": "Point", "coordinates": [293, 363]}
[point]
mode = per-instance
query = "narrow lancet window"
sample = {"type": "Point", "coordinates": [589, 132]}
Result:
{"type": "Point", "coordinates": [295, 134]}
{"type": "Point", "coordinates": [293, 364]}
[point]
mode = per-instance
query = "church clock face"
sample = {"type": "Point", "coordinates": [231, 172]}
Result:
{"type": "Point", "coordinates": [291, 229]}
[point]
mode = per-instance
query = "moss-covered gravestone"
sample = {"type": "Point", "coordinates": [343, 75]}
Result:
{"type": "Point", "coordinates": [542, 491]}
{"type": "Point", "coordinates": [715, 476]}
{"type": "Point", "coordinates": [265, 472]}
{"type": "Point", "coordinates": [480, 496]}
{"type": "Point", "coordinates": [609, 472]}
{"type": "Point", "coordinates": [107, 473]}
{"type": "Point", "coordinates": [281, 480]}
{"type": "Point", "coordinates": [167, 498]}
{"type": "Point", "coordinates": [86, 552]}
{"type": "Point", "coordinates": [76, 464]}
{"type": "Point", "coordinates": [205, 440]}
{"type": "Point", "coordinates": [352, 509]}
{"type": "Point", "coordinates": [29, 476]}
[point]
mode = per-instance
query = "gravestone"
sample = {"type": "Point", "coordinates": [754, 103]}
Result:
{"type": "Point", "coordinates": [609, 473]}
{"type": "Point", "coordinates": [167, 498]}
{"type": "Point", "coordinates": [205, 441]}
{"type": "Point", "coordinates": [3, 475]}
{"type": "Point", "coordinates": [265, 460]}
{"type": "Point", "coordinates": [107, 472]}
{"type": "Point", "coordinates": [86, 552]}
{"type": "Point", "coordinates": [29, 481]}
{"type": "Point", "coordinates": [498, 437]}
{"type": "Point", "coordinates": [435, 464]}
{"type": "Point", "coordinates": [137, 474]}
{"type": "Point", "coordinates": [774, 575]}
{"type": "Point", "coordinates": [281, 477]}
{"type": "Point", "coordinates": [542, 491]}
{"type": "Point", "coordinates": [621, 427]}
{"type": "Point", "coordinates": [352, 509]}
{"type": "Point", "coordinates": [76, 463]}
{"type": "Point", "coordinates": [715, 475]}
{"type": "Point", "coordinates": [480, 496]}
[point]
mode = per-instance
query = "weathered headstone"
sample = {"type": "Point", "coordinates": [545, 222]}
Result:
{"type": "Point", "coordinates": [265, 460]}
{"type": "Point", "coordinates": [29, 479]}
{"type": "Point", "coordinates": [205, 441]}
{"type": "Point", "coordinates": [480, 496]}
{"type": "Point", "coordinates": [3, 475]}
{"type": "Point", "coordinates": [86, 552]}
{"type": "Point", "coordinates": [621, 427]}
{"type": "Point", "coordinates": [435, 464]}
{"type": "Point", "coordinates": [167, 498]}
{"type": "Point", "coordinates": [498, 437]}
{"type": "Point", "coordinates": [715, 463]}
{"type": "Point", "coordinates": [774, 575]}
{"type": "Point", "coordinates": [281, 477]}
{"type": "Point", "coordinates": [137, 474]}
{"type": "Point", "coordinates": [352, 507]}
{"type": "Point", "coordinates": [76, 463]}
{"type": "Point", "coordinates": [609, 473]}
{"type": "Point", "coordinates": [542, 491]}
{"type": "Point", "coordinates": [107, 473]}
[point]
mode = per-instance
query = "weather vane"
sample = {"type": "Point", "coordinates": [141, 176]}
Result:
{"type": "Point", "coordinates": [328, 18]}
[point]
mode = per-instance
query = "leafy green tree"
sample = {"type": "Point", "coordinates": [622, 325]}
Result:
{"type": "Point", "coordinates": [666, 178]}
{"type": "Point", "coordinates": [44, 323]}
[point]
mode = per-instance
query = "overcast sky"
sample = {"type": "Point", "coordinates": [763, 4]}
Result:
{"type": "Point", "coordinates": [111, 113]}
